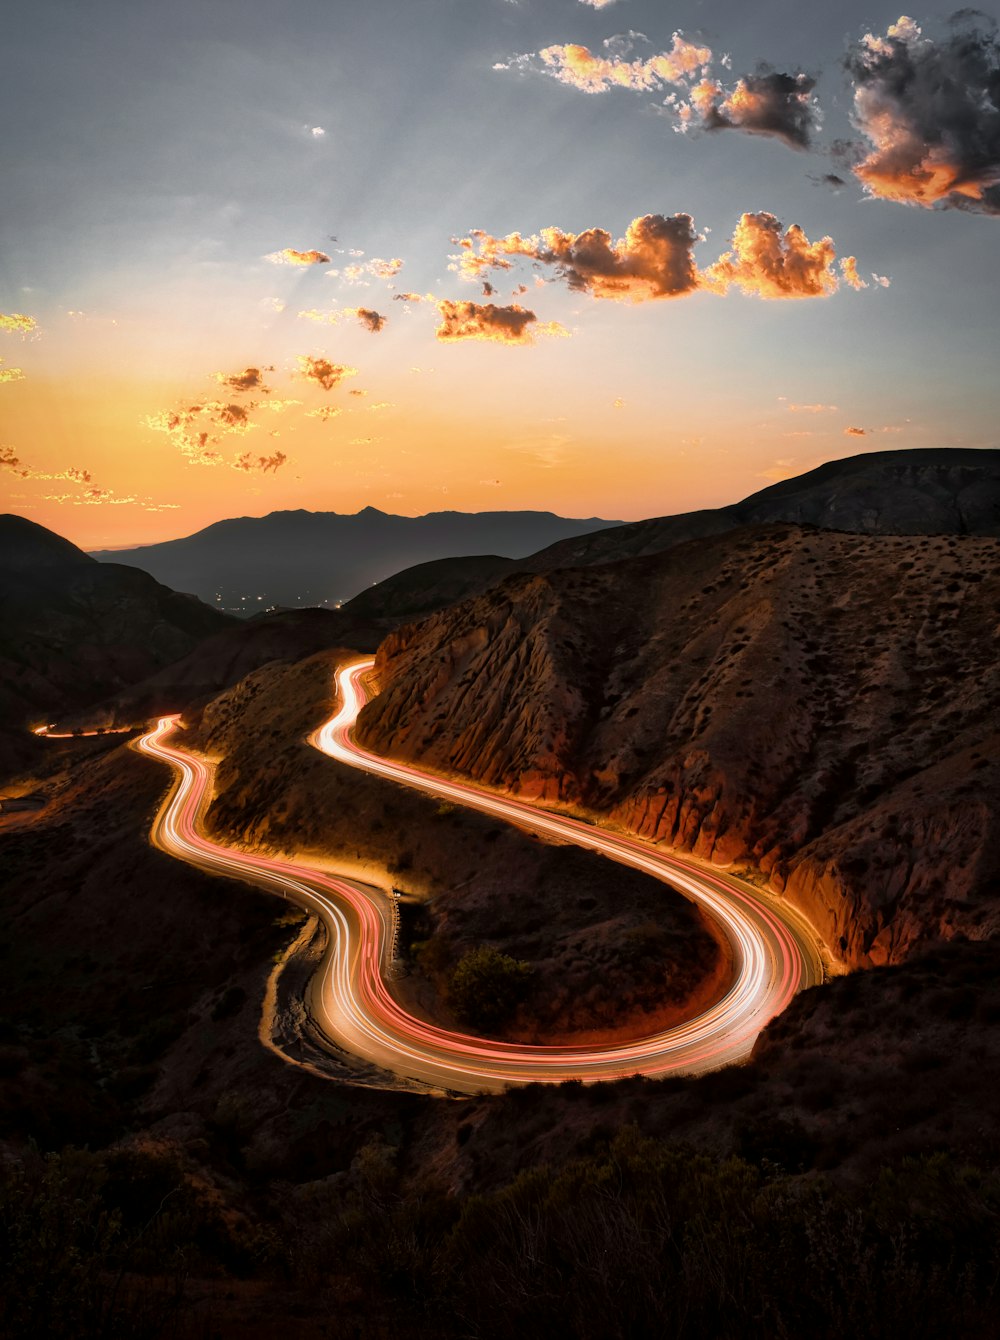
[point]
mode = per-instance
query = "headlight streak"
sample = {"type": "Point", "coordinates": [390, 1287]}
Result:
{"type": "Point", "coordinates": [773, 956]}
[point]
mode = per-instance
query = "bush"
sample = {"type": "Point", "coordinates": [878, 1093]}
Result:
{"type": "Point", "coordinates": [487, 987]}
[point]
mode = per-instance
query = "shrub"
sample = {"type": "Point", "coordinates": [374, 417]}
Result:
{"type": "Point", "coordinates": [487, 987]}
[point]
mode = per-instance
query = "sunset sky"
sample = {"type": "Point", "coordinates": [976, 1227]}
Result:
{"type": "Point", "coordinates": [213, 215]}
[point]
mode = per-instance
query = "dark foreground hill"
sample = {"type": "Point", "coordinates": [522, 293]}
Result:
{"type": "Point", "coordinates": [73, 630]}
{"type": "Point", "coordinates": [314, 558]}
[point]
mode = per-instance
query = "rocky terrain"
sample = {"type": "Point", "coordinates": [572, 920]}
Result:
{"type": "Point", "coordinates": [202, 1186]}
{"type": "Point", "coordinates": [820, 711]}
{"type": "Point", "coordinates": [818, 708]}
{"type": "Point", "coordinates": [227, 657]}
{"type": "Point", "coordinates": [612, 953]}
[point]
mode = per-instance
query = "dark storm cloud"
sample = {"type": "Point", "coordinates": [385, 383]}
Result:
{"type": "Point", "coordinates": [930, 111]}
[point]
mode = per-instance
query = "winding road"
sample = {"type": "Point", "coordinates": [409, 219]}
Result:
{"type": "Point", "coordinates": [775, 952]}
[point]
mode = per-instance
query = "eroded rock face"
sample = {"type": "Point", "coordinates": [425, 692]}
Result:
{"type": "Point", "coordinates": [822, 708]}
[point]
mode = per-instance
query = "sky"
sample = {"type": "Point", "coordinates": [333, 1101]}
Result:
{"type": "Point", "coordinates": [608, 258]}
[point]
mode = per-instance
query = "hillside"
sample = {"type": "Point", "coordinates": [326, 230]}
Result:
{"type": "Point", "coordinates": [926, 491]}
{"type": "Point", "coordinates": [821, 710]}
{"type": "Point", "coordinates": [73, 630]}
{"type": "Point", "coordinates": [922, 492]}
{"type": "Point", "coordinates": [314, 558]}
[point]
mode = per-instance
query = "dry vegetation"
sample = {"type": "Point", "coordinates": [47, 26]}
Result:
{"type": "Point", "coordinates": [816, 708]}
{"type": "Point", "coordinates": [612, 952]}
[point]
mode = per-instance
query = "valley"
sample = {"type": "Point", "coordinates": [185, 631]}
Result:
{"type": "Point", "coordinates": [775, 726]}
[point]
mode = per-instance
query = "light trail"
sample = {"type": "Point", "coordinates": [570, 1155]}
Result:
{"type": "Point", "coordinates": [50, 732]}
{"type": "Point", "coordinates": [774, 955]}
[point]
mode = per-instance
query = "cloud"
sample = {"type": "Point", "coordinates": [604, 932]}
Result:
{"type": "Point", "coordinates": [317, 132]}
{"type": "Point", "coordinates": [248, 462]}
{"type": "Point", "coordinates": [17, 321]}
{"type": "Point", "coordinates": [811, 409]}
{"type": "Point", "coordinates": [768, 102]}
{"type": "Point", "coordinates": [765, 103]}
{"type": "Point", "coordinates": [386, 269]}
{"type": "Point", "coordinates": [95, 497]}
{"type": "Point", "coordinates": [655, 258]}
{"type": "Point", "coordinates": [855, 432]}
{"type": "Point", "coordinates": [581, 69]}
{"type": "Point", "coordinates": [594, 4]}
{"type": "Point", "coordinates": [10, 374]}
{"type": "Point", "coordinates": [325, 412]}
{"type": "Point", "coordinates": [849, 273]}
{"type": "Point", "coordinates": [618, 403]}
{"type": "Point", "coordinates": [277, 406]}
{"type": "Point", "coordinates": [369, 318]}
{"type": "Point", "coordinates": [931, 113]}
{"type": "Point", "coordinates": [378, 267]}
{"type": "Point", "coordinates": [768, 263]}
{"type": "Point", "coordinates": [412, 297]}
{"type": "Point", "coordinates": [250, 379]}
{"type": "Point", "coordinates": [323, 372]}
{"type": "Point", "coordinates": [883, 281]}
{"type": "Point", "coordinates": [486, 321]}
{"type": "Point", "coordinates": [9, 460]}
{"type": "Point", "coordinates": [289, 256]}
{"type": "Point", "coordinates": [196, 429]}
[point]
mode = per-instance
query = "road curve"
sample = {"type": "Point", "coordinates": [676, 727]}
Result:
{"type": "Point", "coordinates": [774, 954]}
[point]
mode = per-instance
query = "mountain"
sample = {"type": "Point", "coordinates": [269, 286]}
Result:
{"type": "Point", "coordinates": [314, 558]}
{"type": "Point", "coordinates": [922, 492]}
{"type": "Point", "coordinates": [926, 491]}
{"type": "Point", "coordinates": [821, 710]}
{"type": "Point", "coordinates": [73, 630]}
{"type": "Point", "coordinates": [431, 586]}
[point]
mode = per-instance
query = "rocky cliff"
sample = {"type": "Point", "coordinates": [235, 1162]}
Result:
{"type": "Point", "coordinates": [822, 709]}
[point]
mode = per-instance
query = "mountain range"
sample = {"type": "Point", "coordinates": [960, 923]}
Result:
{"type": "Point", "coordinates": [803, 687]}
{"type": "Point", "coordinates": [249, 564]}
{"type": "Point", "coordinates": [918, 492]}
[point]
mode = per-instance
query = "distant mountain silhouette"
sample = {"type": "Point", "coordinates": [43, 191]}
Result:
{"type": "Point", "coordinates": [934, 491]}
{"type": "Point", "coordinates": [315, 558]}
{"type": "Point", "coordinates": [73, 630]}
